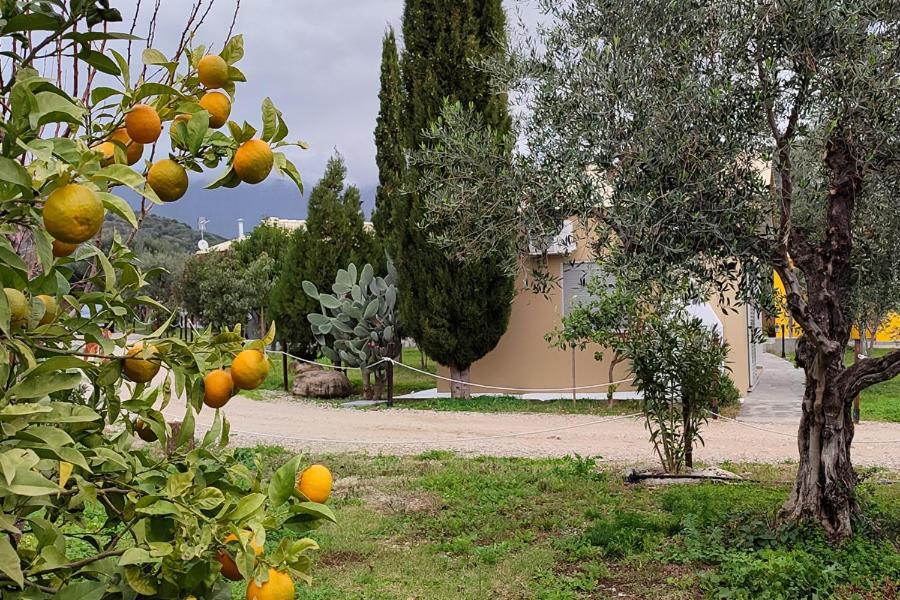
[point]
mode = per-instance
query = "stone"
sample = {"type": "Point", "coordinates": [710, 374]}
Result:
{"type": "Point", "coordinates": [318, 383]}
{"type": "Point", "coordinates": [300, 367]}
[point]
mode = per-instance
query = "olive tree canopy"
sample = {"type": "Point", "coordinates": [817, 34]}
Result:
{"type": "Point", "coordinates": [712, 143]}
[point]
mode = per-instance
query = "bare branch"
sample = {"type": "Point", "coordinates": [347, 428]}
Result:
{"type": "Point", "coordinates": [137, 11]}
{"type": "Point", "coordinates": [237, 8]}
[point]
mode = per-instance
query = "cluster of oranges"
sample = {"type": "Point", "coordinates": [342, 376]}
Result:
{"type": "Point", "coordinates": [19, 307]}
{"type": "Point", "coordinates": [247, 372]}
{"type": "Point", "coordinates": [74, 214]}
{"type": "Point", "coordinates": [315, 484]}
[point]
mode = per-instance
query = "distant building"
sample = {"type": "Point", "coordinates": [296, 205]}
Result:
{"type": "Point", "coordinates": [289, 224]}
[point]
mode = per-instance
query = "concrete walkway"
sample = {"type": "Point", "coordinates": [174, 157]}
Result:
{"type": "Point", "coordinates": [777, 396]}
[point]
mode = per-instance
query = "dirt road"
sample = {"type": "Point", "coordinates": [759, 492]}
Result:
{"type": "Point", "coordinates": [300, 424]}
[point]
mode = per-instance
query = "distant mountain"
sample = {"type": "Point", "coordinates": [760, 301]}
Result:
{"type": "Point", "coordinates": [159, 235]}
{"type": "Point", "coordinates": [223, 207]}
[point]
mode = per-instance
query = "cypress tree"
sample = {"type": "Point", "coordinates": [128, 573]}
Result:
{"type": "Point", "coordinates": [288, 303]}
{"type": "Point", "coordinates": [456, 312]}
{"type": "Point", "coordinates": [334, 237]}
{"type": "Point", "coordinates": [388, 140]}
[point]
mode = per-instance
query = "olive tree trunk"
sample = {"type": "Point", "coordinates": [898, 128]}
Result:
{"type": "Point", "coordinates": [824, 488]}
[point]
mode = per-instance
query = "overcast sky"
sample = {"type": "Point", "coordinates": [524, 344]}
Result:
{"type": "Point", "coordinates": [319, 61]}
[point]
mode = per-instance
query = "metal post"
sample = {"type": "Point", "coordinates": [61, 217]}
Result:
{"type": "Point", "coordinates": [783, 355]}
{"type": "Point", "coordinates": [284, 369]}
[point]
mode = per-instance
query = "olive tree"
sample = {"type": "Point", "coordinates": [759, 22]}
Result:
{"type": "Point", "coordinates": [87, 510]}
{"type": "Point", "coordinates": [710, 142]}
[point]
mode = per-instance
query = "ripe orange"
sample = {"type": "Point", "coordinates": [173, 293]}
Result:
{"type": "Point", "coordinates": [249, 369]}
{"type": "Point", "coordinates": [51, 308]}
{"type": "Point", "coordinates": [218, 106]}
{"type": "Point", "coordinates": [142, 124]}
{"type": "Point", "coordinates": [253, 161]}
{"type": "Point", "coordinates": [63, 248]}
{"type": "Point", "coordinates": [18, 306]}
{"type": "Point", "coordinates": [133, 150]}
{"type": "Point", "coordinates": [217, 388]}
{"type": "Point", "coordinates": [280, 586]}
{"type": "Point", "coordinates": [168, 179]}
{"type": "Point", "coordinates": [315, 483]}
{"type": "Point", "coordinates": [73, 214]}
{"type": "Point", "coordinates": [140, 370]}
{"type": "Point", "coordinates": [108, 150]}
{"type": "Point", "coordinates": [212, 71]}
{"type": "Point", "coordinates": [144, 432]}
{"type": "Point", "coordinates": [226, 558]}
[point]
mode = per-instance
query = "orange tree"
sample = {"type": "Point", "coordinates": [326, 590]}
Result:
{"type": "Point", "coordinates": [87, 510]}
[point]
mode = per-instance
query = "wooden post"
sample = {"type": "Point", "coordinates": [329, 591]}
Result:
{"type": "Point", "coordinates": [284, 370]}
{"type": "Point", "coordinates": [390, 383]}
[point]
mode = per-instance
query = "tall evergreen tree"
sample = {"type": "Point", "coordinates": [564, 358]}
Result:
{"type": "Point", "coordinates": [388, 140]}
{"type": "Point", "coordinates": [456, 312]}
{"type": "Point", "coordinates": [334, 237]}
{"type": "Point", "coordinates": [289, 305]}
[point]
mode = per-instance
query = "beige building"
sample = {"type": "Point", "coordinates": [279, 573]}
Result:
{"type": "Point", "coordinates": [524, 359]}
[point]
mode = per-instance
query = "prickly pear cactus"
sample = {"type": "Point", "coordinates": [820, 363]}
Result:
{"type": "Point", "coordinates": [357, 325]}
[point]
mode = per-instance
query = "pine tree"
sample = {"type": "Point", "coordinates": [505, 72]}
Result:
{"type": "Point", "coordinates": [456, 312]}
{"type": "Point", "coordinates": [334, 237]}
{"type": "Point", "coordinates": [388, 141]}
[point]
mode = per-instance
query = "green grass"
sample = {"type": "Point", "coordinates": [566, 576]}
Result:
{"type": "Point", "coordinates": [510, 404]}
{"type": "Point", "coordinates": [497, 404]}
{"type": "Point", "coordinates": [405, 381]}
{"type": "Point", "coordinates": [442, 526]}
{"type": "Point", "coordinates": [880, 402]}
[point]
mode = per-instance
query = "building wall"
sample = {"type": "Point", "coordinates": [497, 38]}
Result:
{"type": "Point", "coordinates": [524, 359]}
{"type": "Point", "coordinates": [737, 333]}
{"type": "Point", "coordinates": [889, 331]}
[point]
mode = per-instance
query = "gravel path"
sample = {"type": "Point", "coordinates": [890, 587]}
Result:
{"type": "Point", "coordinates": [306, 425]}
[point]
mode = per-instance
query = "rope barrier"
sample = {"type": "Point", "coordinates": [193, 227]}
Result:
{"type": "Point", "coordinates": [477, 385]}
{"type": "Point", "coordinates": [511, 389]}
{"type": "Point", "coordinates": [424, 442]}
{"type": "Point", "coordinates": [794, 435]}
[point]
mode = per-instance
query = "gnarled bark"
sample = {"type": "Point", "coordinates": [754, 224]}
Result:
{"type": "Point", "coordinates": [824, 488]}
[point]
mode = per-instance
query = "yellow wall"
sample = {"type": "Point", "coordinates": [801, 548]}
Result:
{"type": "Point", "coordinates": [889, 331]}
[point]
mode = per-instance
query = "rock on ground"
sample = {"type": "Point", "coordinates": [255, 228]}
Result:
{"type": "Point", "coordinates": [318, 383]}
